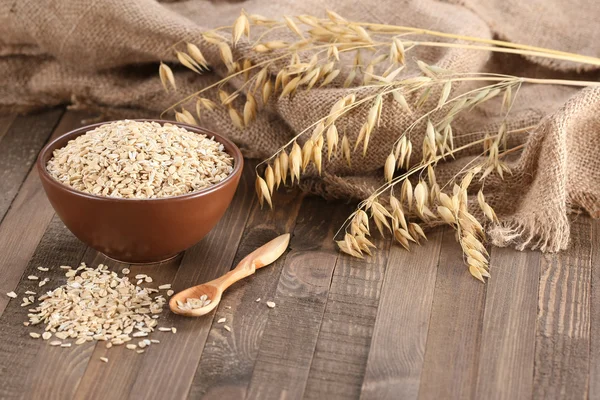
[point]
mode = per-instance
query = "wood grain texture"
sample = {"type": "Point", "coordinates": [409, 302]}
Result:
{"type": "Point", "coordinates": [65, 365]}
{"type": "Point", "coordinates": [5, 123]}
{"type": "Point", "coordinates": [399, 337]}
{"type": "Point", "coordinates": [228, 359]}
{"type": "Point", "coordinates": [289, 338]}
{"type": "Point", "coordinates": [562, 359]}
{"type": "Point", "coordinates": [454, 338]}
{"type": "Point", "coordinates": [20, 353]}
{"type": "Point", "coordinates": [594, 393]}
{"type": "Point", "coordinates": [342, 349]}
{"type": "Point", "coordinates": [508, 340]}
{"type": "Point", "coordinates": [113, 380]}
{"type": "Point", "coordinates": [18, 150]}
{"type": "Point", "coordinates": [168, 371]}
{"type": "Point", "coordinates": [26, 221]}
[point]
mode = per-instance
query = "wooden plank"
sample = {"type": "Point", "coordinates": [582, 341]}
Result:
{"type": "Point", "coordinates": [342, 349]}
{"type": "Point", "coordinates": [18, 151]}
{"type": "Point", "coordinates": [595, 314]}
{"type": "Point", "coordinates": [20, 353]}
{"type": "Point", "coordinates": [26, 221]}
{"type": "Point", "coordinates": [66, 366]}
{"type": "Point", "coordinates": [399, 336]}
{"type": "Point", "coordinates": [228, 359]}
{"type": "Point", "coordinates": [563, 325]}
{"type": "Point", "coordinates": [289, 338]}
{"type": "Point", "coordinates": [454, 338]}
{"type": "Point", "coordinates": [508, 343]}
{"type": "Point", "coordinates": [168, 370]}
{"type": "Point", "coordinates": [5, 123]}
{"type": "Point", "coordinates": [113, 381]}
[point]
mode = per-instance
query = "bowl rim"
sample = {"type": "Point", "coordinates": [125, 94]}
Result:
{"type": "Point", "coordinates": [238, 160]}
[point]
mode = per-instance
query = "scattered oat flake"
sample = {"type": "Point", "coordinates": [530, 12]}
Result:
{"type": "Point", "coordinates": [270, 304]}
{"type": "Point", "coordinates": [139, 351]}
{"type": "Point", "coordinates": [43, 269]}
{"type": "Point", "coordinates": [131, 346]}
{"type": "Point", "coordinates": [109, 345]}
{"type": "Point", "coordinates": [221, 320]}
{"type": "Point", "coordinates": [174, 330]}
{"type": "Point", "coordinates": [154, 341]}
{"type": "Point", "coordinates": [165, 286]}
{"type": "Point", "coordinates": [32, 278]}
{"type": "Point", "coordinates": [29, 292]}
{"type": "Point", "coordinates": [228, 307]}
{"type": "Point", "coordinates": [46, 335]}
{"type": "Point", "coordinates": [140, 276]}
{"type": "Point", "coordinates": [104, 359]}
{"type": "Point", "coordinates": [148, 279]}
{"type": "Point", "coordinates": [257, 300]}
{"type": "Point", "coordinates": [170, 293]}
{"type": "Point", "coordinates": [65, 267]}
{"type": "Point", "coordinates": [34, 335]}
{"type": "Point", "coordinates": [228, 329]}
{"type": "Point", "coordinates": [101, 290]}
{"type": "Point", "coordinates": [164, 329]}
{"type": "Point", "coordinates": [125, 271]}
{"type": "Point", "coordinates": [12, 295]}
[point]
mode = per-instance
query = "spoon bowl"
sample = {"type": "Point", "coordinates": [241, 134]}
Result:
{"type": "Point", "coordinates": [214, 289]}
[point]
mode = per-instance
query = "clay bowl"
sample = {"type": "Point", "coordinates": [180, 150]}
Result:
{"type": "Point", "coordinates": [140, 230]}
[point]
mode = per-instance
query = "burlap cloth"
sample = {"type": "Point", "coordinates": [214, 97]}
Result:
{"type": "Point", "coordinates": [101, 55]}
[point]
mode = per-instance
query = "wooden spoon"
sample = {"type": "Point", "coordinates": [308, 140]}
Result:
{"type": "Point", "coordinates": [214, 289]}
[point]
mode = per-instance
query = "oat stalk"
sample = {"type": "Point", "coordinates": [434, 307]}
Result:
{"type": "Point", "coordinates": [376, 79]}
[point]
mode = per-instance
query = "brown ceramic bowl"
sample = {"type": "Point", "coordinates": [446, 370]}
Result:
{"type": "Point", "coordinates": [140, 230]}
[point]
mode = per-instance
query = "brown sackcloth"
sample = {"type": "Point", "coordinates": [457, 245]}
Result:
{"type": "Point", "coordinates": [102, 55]}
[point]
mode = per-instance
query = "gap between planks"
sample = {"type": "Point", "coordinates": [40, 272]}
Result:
{"type": "Point", "coordinates": [399, 338]}
{"type": "Point", "coordinates": [25, 222]}
{"type": "Point", "coordinates": [226, 364]}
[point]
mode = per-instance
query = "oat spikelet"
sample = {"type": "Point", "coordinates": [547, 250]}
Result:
{"type": "Point", "coordinates": [277, 171]}
{"type": "Point", "coordinates": [166, 76]}
{"type": "Point", "coordinates": [284, 164]}
{"type": "Point", "coordinates": [188, 62]}
{"type": "Point", "coordinates": [346, 150]}
{"type": "Point", "coordinates": [249, 109]}
{"type": "Point", "coordinates": [226, 56]}
{"type": "Point", "coordinates": [236, 118]}
{"type": "Point", "coordinates": [293, 27]}
{"type": "Point", "coordinates": [263, 189]}
{"type": "Point", "coordinates": [307, 153]}
{"type": "Point", "coordinates": [295, 162]}
{"type": "Point", "coordinates": [197, 55]}
{"type": "Point", "coordinates": [317, 154]}
{"type": "Point", "coordinates": [241, 27]}
{"type": "Point", "coordinates": [485, 207]}
{"type": "Point", "coordinates": [445, 93]}
{"type": "Point", "coordinates": [267, 89]}
{"type": "Point", "coordinates": [332, 140]}
{"type": "Point", "coordinates": [270, 178]}
{"type": "Point", "coordinates": [390, 167]}
{"type": "Point", "coordinates": [290, 87]}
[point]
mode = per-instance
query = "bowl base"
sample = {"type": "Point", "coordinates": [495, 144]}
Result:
{"type": "Point", "coordinates": [142, 263]}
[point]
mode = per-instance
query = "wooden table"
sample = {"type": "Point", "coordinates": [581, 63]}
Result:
{"type": "Point", "coordinates": [400, 325]}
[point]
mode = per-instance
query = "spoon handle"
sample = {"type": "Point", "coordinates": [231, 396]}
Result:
{"type": "Point", "coordinates": [263, 256]}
